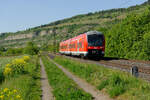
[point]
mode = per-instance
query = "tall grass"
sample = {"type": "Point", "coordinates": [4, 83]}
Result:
{"type": "Point", "coordinates": [63, 87]}
{"type": "Point", "coordinates": [27, 84]}
{"type": "Point", "coordinates": [6, 60]}
{"type": "Point", "coordinates": [117, 84]}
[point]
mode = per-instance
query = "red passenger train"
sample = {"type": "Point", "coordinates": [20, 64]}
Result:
{"type": "Point", "coordinates": [90, 44]}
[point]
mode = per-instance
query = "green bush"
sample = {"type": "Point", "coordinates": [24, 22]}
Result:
{"type": "Point", "coordinates": [11, 51]}
{"type": "Point", "coordinates": [16, 67]}
{"type": "Point", "coordinates": [31, 49]}
{"type": "Point", "coordinates": [1, 53]}
{"type": "Point", "coordinates": [1, 75]}
{"type": "Point", "coordinates": [130, 38]}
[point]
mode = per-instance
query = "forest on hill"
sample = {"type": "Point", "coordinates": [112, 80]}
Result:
{"type": "Point", "coordinates": [130, 38]}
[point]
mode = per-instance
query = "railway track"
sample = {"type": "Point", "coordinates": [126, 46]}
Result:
{"type": "Point", "coordinates": [121, 64]}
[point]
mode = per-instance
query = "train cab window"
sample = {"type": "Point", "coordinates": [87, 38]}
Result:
{"type": "Point", "coordinates": [95, 40]}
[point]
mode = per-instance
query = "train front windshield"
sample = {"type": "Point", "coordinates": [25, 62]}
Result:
{"type": "Point", "coordinates": [95, 40]}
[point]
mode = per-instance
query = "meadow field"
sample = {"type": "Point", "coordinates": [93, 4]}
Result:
{"type": "Point", "coordinates": [20, 78]}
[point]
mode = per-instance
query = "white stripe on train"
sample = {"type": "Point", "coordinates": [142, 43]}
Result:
{"type": "Point", "coordinates": [76, 52]}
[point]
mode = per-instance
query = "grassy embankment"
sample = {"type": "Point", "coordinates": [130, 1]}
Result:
{"type": "Point", "coordinates": [117, 84]}
{"type": "Point", "coordinates": [63, 87]}
{"type": "Point", "coordinates": [22, 85]}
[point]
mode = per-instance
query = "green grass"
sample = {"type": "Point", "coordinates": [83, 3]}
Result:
{"type": "Point", "coordinates": [28, 85]}
{"type": "Point", "coordinates": [21, 83]}
{"type": "Point", "coordinates": [117, 84]}
{"type": "Point", "coordinates": [6, 60]}
{"type": "Point", "coordinates": [63, 87]}
{"type": "Point", "coordinates": [3, 62]}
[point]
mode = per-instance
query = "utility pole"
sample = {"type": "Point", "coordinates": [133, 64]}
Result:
{"type": "Point", "coordinates": [54, 41]}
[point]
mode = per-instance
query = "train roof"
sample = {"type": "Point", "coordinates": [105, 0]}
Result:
{"type": "Point", "coordinates": [93, 32]}
{"type": "Point", "coordinates": [87, 33]}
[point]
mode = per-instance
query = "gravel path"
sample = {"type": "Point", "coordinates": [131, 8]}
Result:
{"type": "Point", "coordinates": [46, 89]}
{"type": "Point", "coordinates": [84, 85]}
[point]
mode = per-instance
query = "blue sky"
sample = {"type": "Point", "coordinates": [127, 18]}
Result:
{"type": "Point", "coordinates": [18, 15]}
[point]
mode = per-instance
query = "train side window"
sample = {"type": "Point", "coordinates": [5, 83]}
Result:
{"type": "Point", "coordinates": [73, 45]}
{"type": "Point", "coordinates": [80, 44]}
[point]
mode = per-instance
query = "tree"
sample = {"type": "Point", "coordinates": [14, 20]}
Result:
{"type": "Point", "coordinates": [31, 49]}
{"type": "Point", "coordinates": [148, 1]}
{"type": "Point", "coordinates": [2, 49]}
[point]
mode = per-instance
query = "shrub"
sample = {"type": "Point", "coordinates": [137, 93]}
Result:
{"type": "Point", "coordinates": [7, 71]}
{"type": "Point", "coordinates": [31, 49]}
{"type": "Point", "coordinates": [130, 38]}
{"type": "Point", "coordinates": [26, 58]}
{"type": "Point", "coordinates": [1, 76]}
{"type": "Point", "coordinates": [18, 66]}
{"type": "Point", "coordinates": [14, 51]}
{"type": "Point", "coordinates": [1, 53]}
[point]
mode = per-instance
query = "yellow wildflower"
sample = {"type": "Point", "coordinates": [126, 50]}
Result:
{"type": "Point", "coordinates": [7, 71]}
{"type": "Point", "coordinates": [8, 65]}
{"type": "Point", "coordinates": [26, 58]}
{"type": "Point", "coordinates": [15, 91]}
{"type": "Point", "coordinates": [19, 62]}
{"type": "Point", "coordinates": [18, 96]}
{"type": "Point", "coordinates": [6, 89]}
{"type": "Point", "coordinates": [2, 96]}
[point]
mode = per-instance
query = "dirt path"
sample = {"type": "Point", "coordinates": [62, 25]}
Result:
{"type": "Point", "coordinates": [46, 89]}
{"type": "Point", "coordinates": [84, 85]}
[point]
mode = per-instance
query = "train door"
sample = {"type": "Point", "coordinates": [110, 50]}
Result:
{"type": "Point", "coordinates": [78, 46]}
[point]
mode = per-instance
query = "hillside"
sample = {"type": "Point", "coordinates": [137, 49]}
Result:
{"type": "Point", "coordinates": [69, 27]}
{"type": "Point", "coordinates": [126, 31]}
{"type": "Point", "coordinates": [130, 38]}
